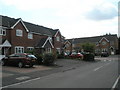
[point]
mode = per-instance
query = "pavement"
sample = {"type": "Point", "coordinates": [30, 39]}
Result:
{"type": "Point", "coordinates": [16, 75]}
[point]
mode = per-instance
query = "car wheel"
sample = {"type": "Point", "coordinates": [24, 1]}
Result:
{"type": "Point", "coordinates": [3, 63]}
{"type": "Point", "coordinates": [20, 65]}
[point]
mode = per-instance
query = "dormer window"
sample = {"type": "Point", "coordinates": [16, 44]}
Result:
{"type": "Point", "coordinates": [19, 32]}
{"type": "Point", "coordinates": [30, 36]}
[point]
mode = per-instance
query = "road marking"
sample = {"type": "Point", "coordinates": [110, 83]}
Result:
{"type": "Point", "coordinates": [113, 87]}
{"type": "Point", "coordinates": [21, 82]}
{"type": "Point", "coordinates": [105, 60]}
{"type": "Point", "coordinates": [98, 68]}
{"type": "Point", "coordinates": [23, 78]}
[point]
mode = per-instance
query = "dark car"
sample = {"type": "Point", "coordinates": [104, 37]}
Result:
{"type": "Point", "coordinates": [104, 54]}
{"type": "Point", "coordinates": [76, 55]}
{"type": "Point", "coordinates": [21, 60]}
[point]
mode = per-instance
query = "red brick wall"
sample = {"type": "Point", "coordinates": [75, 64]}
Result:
{"type": "Point", "coordinates": [57, 44]}
{"type": "Point", "coordinates": [23, 41]}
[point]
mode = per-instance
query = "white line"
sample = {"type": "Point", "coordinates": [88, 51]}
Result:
{"type": "Point", "coordinates": [21, 82]}
{"type": "Point", "coordinates": [22, 78]}
{"type": "Point", "coordinates": [115, 83]}
{"type": "Point", "coordinates": [98, 68]}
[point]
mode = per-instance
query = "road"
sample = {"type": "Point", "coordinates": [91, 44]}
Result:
{"type": "Point", "coordinates": [103, 74]}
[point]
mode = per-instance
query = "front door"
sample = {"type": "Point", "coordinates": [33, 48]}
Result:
{"type": "Point", "coordinates": [112, 51]}
{"type": "Point", "coordinates": [3, 51]}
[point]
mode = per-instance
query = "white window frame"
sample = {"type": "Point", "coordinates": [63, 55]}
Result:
{"type": "Point", "coordinates": [30, 48]}
{"type": "Point", "coordinates": [48, 50]}
{"type": "Point", "coordinates": [2, 31]}
{"type": "Point", "coordinates": [30, 36]}
{"type": "Point", "coordinates": [104, 43]}
{"type": "Point", "coordinates": [19, 49]}
{"type": "Point", "coordinates": [57, 38]}
{"type": "Point", "coordinates": [19, 32]}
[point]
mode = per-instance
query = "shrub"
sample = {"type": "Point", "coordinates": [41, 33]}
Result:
{"type": "Point", "coordinates": [48, 59]}
{"type": "Point", "coordinates": [89, 57]}
{"type": "Point", "coordinates": [39, 58]}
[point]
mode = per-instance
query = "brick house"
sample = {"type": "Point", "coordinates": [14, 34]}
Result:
{"type": "Point", "coordinates": [18, 36]}
{"type": "Point", "coordinates": [105, 43]}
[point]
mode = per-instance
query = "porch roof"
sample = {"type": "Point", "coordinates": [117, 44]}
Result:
{"type": "Point", "coordinates": [6, 44]}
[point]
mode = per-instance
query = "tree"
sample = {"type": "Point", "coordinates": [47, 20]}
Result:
{"type": "Point", "coordinates": [88, 47]}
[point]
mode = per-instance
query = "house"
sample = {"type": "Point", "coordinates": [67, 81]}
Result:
{"type": "Point", "coordinates": [18, 36]}
{"type": "Point", "coordinates": [105, 43]}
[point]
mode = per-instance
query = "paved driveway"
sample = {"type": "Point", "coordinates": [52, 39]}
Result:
{"type": "Point", "coordinates": [12, 70]}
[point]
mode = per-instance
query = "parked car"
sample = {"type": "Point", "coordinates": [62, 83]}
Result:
{"type": "Point", "coordinates": [76, 55]}
{"type": "Point", "coordinates": [21, 60]}
{"type": "Point", "coordinates": [66, 54]}
{"type": "Point", "coordinates": [104, 54]}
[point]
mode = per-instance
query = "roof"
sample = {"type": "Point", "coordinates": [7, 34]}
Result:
{"type": "Point", "coordinates": [43, 42]}
{"type": "Point", "coordinates": [95, 39]}
{"type": "Point", "coordinates": [38, 29]}
{"type": "Point", "coordinates": [9, 22]}
{"type": "Point", "coordinates": [53, 32]}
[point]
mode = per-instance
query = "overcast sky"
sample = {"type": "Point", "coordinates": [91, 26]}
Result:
{"type": "Point", "coordinates": [74, 18]}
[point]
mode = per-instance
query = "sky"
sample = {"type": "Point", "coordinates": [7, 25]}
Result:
{"type": "Point", "coordinates": [74, 18]}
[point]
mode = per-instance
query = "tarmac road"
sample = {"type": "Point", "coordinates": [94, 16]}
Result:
{"type": "Point", "coordinates": [103, 74]}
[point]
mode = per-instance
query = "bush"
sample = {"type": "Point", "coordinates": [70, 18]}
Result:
{"type": "Point", "coordinates": [39, 58]}
{"type": "Point", "coordinates": [89, 57]}
{"type": "Point", "coordinates": [48, 59]}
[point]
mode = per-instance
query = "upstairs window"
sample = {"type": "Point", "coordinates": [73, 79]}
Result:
{"type": "Point", "coordinates": [58, 38]}
{"type": "Point", "coordinates": [19, 32]}
{"type": "Point", "coordinates": [104, 43]}
{"type": "Point", "coordinates": [30, 36]}
{"type": "Point", "coordinates": [2, 31]}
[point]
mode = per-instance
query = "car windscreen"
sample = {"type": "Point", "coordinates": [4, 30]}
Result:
{"type": "Point", "coordinates": [31, 56]}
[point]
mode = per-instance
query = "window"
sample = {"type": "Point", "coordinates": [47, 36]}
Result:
{"type": "Point", "coordinates": [30, 48]}
{"type": "Point", "coordinates": [104, 43]}
{"type": "Point", "coordinates": [58, 38]}
{"type": "Point", "coordinates": [48, 50]}
{"type": "Point", "coordinates": [19, 49]}
{"type": "Point", "coordinates": [19, 33]}
{"type": "Point", "coordinates": [30, 36]}
{"type": "Point", "coordinates": [2, 31]}
{"type": "Point", "coordinates": [58, 50]}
